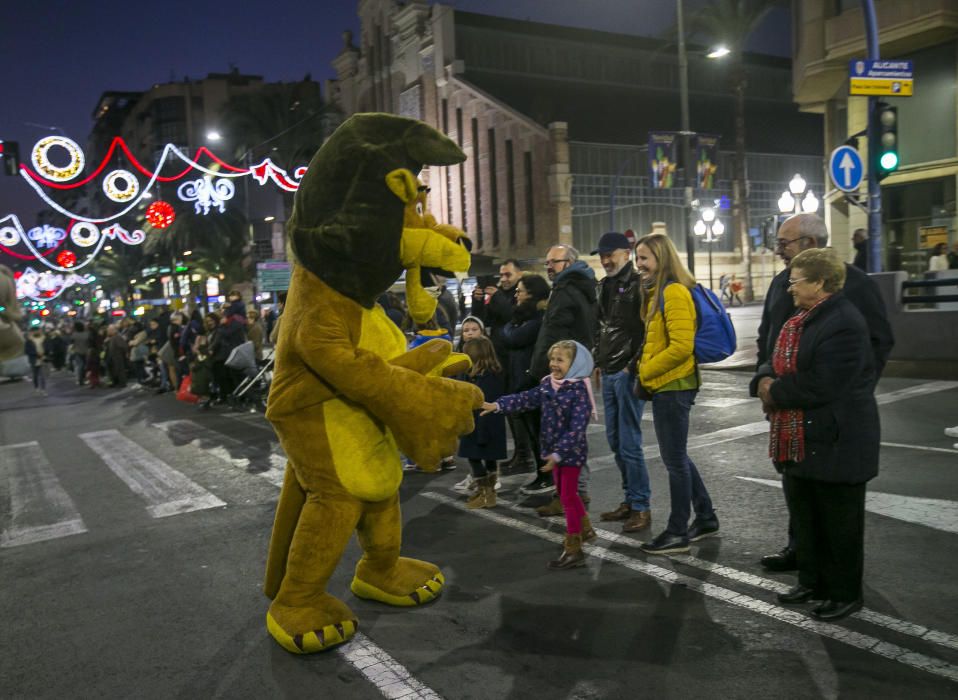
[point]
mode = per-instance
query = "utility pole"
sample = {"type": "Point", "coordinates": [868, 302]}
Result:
{"type": "Point", "coordinates": [874, 188]}
{"type": "Point", "coordinates": [686, 136]}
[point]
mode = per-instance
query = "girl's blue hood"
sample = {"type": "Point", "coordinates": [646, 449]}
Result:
{"type": "Point", "coordinates": [583, 364]}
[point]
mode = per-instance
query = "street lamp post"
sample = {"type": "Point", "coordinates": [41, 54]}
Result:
{"type": "Point", "coordinates": [710, 228]}
{"type": "Point", "coordinates": [686, 134]}
{"type": "Point", "coordinates": [798, 198]}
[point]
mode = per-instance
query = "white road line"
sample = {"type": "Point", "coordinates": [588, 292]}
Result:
{"type": "Point", "coordinates": [913, 392]}
{"type": "Point", "coordinates": [388, 675]}
{"type": "Point", "coordinates": [931, 512]}
{"type": "Point", "coordinates": [196, 434]}
{"type": "Point", "coordinates": [920, 447]}
{"type": "Point", "coordinates": [40, 509]}
{"type": "Point", "coordinates": [865, 642]}
{"type": "Point", "coordinates": [166, 491]}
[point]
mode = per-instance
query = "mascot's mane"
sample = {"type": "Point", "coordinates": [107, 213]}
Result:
{"type": "Point", "coordinates": [347, 224]}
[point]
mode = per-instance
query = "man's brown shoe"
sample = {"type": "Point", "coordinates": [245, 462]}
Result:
{"type": "Point", "coordinates": [620, 513]}
{"type": "Point", "coordinates": [638, 520]}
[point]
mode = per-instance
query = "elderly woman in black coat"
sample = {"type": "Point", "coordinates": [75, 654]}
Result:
{"type": "Point", "coordinates": [817, 389]}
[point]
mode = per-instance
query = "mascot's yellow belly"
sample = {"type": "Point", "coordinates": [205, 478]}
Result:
{"type": "Point", "coordinates": [364, 451]}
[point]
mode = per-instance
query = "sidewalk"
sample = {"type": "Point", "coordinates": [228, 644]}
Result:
{"type": "Point", "coordinates": [746, 320]}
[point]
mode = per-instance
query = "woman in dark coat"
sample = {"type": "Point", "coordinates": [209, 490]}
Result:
{"type": "Point", "coordinates": [817, 390]}
{"type": "Point", "coordinates": [518, 337]}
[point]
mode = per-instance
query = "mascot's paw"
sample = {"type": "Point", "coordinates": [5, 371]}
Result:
{"type": "Point", "coordinates": [457, 363]}
{"type": "Point", "coordinates": [408, 583]}
{"type": "Point", "coordinates": [306, 631]}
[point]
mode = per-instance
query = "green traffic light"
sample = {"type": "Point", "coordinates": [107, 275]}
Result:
{"type": "Point", "coordinates": [889, 160]}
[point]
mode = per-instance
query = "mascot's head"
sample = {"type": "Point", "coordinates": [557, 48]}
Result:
{"type": "Point", "coordinates": [347, 222]}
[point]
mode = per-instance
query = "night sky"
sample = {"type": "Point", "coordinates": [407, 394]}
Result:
{"type": "Point", "coordinates": [58, 56]}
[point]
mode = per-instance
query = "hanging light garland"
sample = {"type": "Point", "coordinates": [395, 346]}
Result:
{"type": "Point", "coordinates": [123, 187]}
{"type": "Point", "coordinates": [82, 233]}
{"type": "Point", "coordinates": [46, 286]}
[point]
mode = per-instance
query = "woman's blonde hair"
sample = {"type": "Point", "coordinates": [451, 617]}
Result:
{"type": "Point", "coordinates": [670, 269]}
{"type": "Point", "coordinates": [483, 355]}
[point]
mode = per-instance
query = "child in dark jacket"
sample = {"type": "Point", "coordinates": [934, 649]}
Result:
{"type": "Point", "coordinates": [565, 399]}
{"type": "Point", "coordinates": [487, 443]}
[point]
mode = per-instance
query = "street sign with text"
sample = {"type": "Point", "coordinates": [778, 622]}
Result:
{"type": "Point", "coordinates": [880, 77]}
{"type": "Point", "coordinates": [273, 276]}
{"type": "Point", "coordinates": [845, 168]}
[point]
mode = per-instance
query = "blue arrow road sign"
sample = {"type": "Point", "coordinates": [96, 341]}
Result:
{"type": "Point", "coordinates": [845, 168]}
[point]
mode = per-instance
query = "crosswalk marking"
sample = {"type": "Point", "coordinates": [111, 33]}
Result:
{"type": "Point", "coordinates": [166, 491]}
{"type": "Point", "coordinates": [930, 512]}
{"type": "Point", "coordinates": [40, 509]}
{"type": "Point", "coordinates": [225, 447]}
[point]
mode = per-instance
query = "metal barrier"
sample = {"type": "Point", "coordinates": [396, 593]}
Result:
{"type": "Point", "coordinates": [928, 298]}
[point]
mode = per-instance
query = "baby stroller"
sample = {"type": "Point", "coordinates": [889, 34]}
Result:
{"type": "Point", "coordinates": [253, 391]}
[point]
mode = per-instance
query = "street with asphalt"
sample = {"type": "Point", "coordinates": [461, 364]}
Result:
{"type": "Point", "coordinates": [135, 530]}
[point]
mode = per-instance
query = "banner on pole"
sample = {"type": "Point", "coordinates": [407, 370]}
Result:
{"type": "Point", "coordinates": [663, 147]}
{"type": "Point", "coordinates": [706, 160]}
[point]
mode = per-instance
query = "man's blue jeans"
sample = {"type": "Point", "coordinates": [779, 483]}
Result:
{"type": "Point", "coordinates": [623, 430]}
{"type": "Point", "coordinates": [670, 415]}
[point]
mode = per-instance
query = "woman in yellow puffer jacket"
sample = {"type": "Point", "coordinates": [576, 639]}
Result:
{"type": "Point", "coordinates": [668, 372]}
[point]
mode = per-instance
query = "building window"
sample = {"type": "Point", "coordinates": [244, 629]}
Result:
{"type": "Point", "coordinates": [477, 181]}
{"type": "Point", "coordinates": [462, 173]}
{"type": "Point", "coordinates": [511, 191]}
{"type": "Point", "coordinates": [530, 200]}
{"type": "Point", "coordinates": [493, 188]}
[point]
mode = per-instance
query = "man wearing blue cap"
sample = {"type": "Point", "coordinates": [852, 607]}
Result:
{"type": "Point", "coordinates": [618, 345]}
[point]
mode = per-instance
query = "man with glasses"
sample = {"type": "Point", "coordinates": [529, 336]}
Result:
{"type": "Point", "coordinates": [570, 315]}
{"type": "Point", "coordinates": [798, 233]}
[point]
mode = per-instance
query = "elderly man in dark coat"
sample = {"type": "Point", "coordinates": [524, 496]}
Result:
{"type": "Point", "coordinates": [799, 233]}
{"type": "Point", "coordinates": [570, 315]}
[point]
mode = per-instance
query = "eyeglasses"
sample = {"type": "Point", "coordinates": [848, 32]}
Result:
{"type": "Point", "coordinates": [793, 282]}
{"type": "Point", "coordinates": [553, 263]}
{"type": "Point", "coordinates": [783, 242]}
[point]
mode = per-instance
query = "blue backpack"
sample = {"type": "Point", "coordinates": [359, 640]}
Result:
{"type": "Point", "coordinates": [714, 334]}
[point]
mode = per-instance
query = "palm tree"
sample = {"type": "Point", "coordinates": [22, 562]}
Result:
{"type": "Point", "coordinates": [286, 121]}
{"type": "Point", "coordinates": [730, 23]}
{"type": "Point", "coordinates": [116, 269]}
{"type": "Point", "coordinates": [216, 241]}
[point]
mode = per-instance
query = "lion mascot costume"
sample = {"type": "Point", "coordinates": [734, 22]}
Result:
{"type": "Point", "coordinates": [346, 396]}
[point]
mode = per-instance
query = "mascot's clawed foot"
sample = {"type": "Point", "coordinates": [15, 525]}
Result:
{"type": "Point", "coordinates": [306, 630]}
{"type": "Point", "coordinates": [407, 583]}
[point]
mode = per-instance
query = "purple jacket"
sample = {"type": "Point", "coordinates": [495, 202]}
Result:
{"type": "Point", "coordinates": [565, 417]}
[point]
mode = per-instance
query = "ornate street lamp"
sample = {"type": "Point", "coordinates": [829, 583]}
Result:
{"type": "Point", "coordinates": [710, 228]}
{"type": "Point", "coordinates": [798, 198]}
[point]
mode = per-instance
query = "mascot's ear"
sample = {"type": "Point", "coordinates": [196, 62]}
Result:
{"type": "Point", "coordinates": [403, 184]}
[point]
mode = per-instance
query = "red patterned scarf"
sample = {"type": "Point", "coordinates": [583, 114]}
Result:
{"type": "Point", "coordinates": [787, 425]}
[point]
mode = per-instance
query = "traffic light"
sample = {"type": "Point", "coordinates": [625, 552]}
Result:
{"type": "Point", "coordinates": [885, 128]}
{"type": "Point", "coordinates": [10, 153]}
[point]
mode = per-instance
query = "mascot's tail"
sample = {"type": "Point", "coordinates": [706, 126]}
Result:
{"type": "Point", "coordinates": [290, 505]}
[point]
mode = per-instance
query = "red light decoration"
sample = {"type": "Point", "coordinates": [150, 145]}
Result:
{"type": "Point", "coordinates": [66, 258]}
{"type": "Point", "coordinates": [160, 214]}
